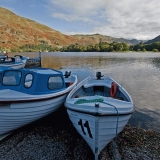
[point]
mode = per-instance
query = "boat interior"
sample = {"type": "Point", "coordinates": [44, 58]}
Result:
{"type": "Point", "coordinates": [98, 90]}
{"type": "Point", "coordinates": [101, 88]}
{"type": "Point", "coordinates": [8, 60]}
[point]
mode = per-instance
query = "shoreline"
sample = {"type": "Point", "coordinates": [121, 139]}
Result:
{"type": "Point", "coordinates": [54, 137]}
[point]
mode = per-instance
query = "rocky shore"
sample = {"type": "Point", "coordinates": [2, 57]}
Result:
{"type": "Point", "coordinates": [54, 138]}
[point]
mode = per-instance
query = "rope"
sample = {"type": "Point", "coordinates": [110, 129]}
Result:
{"type": "Point", "coordinates": [81, 101]}
{"type": "Point", "coordinates": [116, 128]}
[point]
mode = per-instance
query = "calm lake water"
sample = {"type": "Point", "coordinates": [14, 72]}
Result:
{"type": "Point", "coordinates": [139, 74]}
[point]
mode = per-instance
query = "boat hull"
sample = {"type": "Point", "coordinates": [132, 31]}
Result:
{"type": "Point", "coordinates": [16, 62]}
{"type": "Point", "coordinates": [14, 66]}
{"type": "Point", "coordinates": [97, 131]}
{"type": "Point", "coordinates": [17, 115]}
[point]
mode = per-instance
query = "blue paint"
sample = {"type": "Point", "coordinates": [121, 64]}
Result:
{"type": "Point", "coordinates": [39, 83]}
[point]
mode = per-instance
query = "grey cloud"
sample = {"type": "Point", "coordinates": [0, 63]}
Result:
{"type": "Point", "coordinates": [116, 18]}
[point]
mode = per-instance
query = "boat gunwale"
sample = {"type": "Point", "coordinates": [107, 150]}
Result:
{"type": "Point", "coordinates": [101, 114]}
{"type": "Point", "coordinates": [96, 112]}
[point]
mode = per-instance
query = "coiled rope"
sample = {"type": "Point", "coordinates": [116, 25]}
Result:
{"type": "Point", "coordinates": [81, 101]}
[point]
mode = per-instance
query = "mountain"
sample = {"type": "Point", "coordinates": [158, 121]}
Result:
{"type": "Point", "coordinates": [16, 31]}
{"type": "Point", "coordinates": [95, 38]}
{"type": "Point", "coordinates": [156, 39]}
{"type": "Point", "coordinates": [131, 42]}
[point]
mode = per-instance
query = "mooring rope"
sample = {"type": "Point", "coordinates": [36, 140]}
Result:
{"type": "Point", "coordinates": [115, 144]}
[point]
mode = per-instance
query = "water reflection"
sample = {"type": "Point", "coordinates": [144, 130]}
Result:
{"type": "Point", "coordinates": [156, 62]}
{"type": "Point", "coordinates": [57, 62]}
{"type": "Point", "coordinates": [138, 73]}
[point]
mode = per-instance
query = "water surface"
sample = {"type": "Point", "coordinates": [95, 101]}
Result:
{"type": "Point", "coordinates": [139, 74]}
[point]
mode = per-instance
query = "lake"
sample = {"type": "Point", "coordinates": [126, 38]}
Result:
{"type": "Point", "coordinates": [137, 72]}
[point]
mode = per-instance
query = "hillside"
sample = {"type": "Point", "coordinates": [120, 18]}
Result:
{"type": "Point", "coordinates": [16, 31]}
{"type": "Point", "coordinates": [95, 38]}
{"type": "Point", "coordinates": [156, 39]}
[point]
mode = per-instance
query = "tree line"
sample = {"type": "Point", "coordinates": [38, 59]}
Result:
{"type": "Point", "coordinates": [112, 47]}
{"type": "Point", "coordinates": [100, 47]}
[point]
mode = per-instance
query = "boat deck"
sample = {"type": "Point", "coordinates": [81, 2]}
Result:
{"type": "Point", "coordinates": [82, 92]}
{"type": "Point", "coordinates": [97, 90]}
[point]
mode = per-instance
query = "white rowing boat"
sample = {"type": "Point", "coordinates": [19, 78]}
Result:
{"type": "Point", "coordinates": [99, 109]}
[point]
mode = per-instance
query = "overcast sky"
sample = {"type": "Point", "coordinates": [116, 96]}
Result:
{"type": "Point", "coordinates": [128, 19]}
